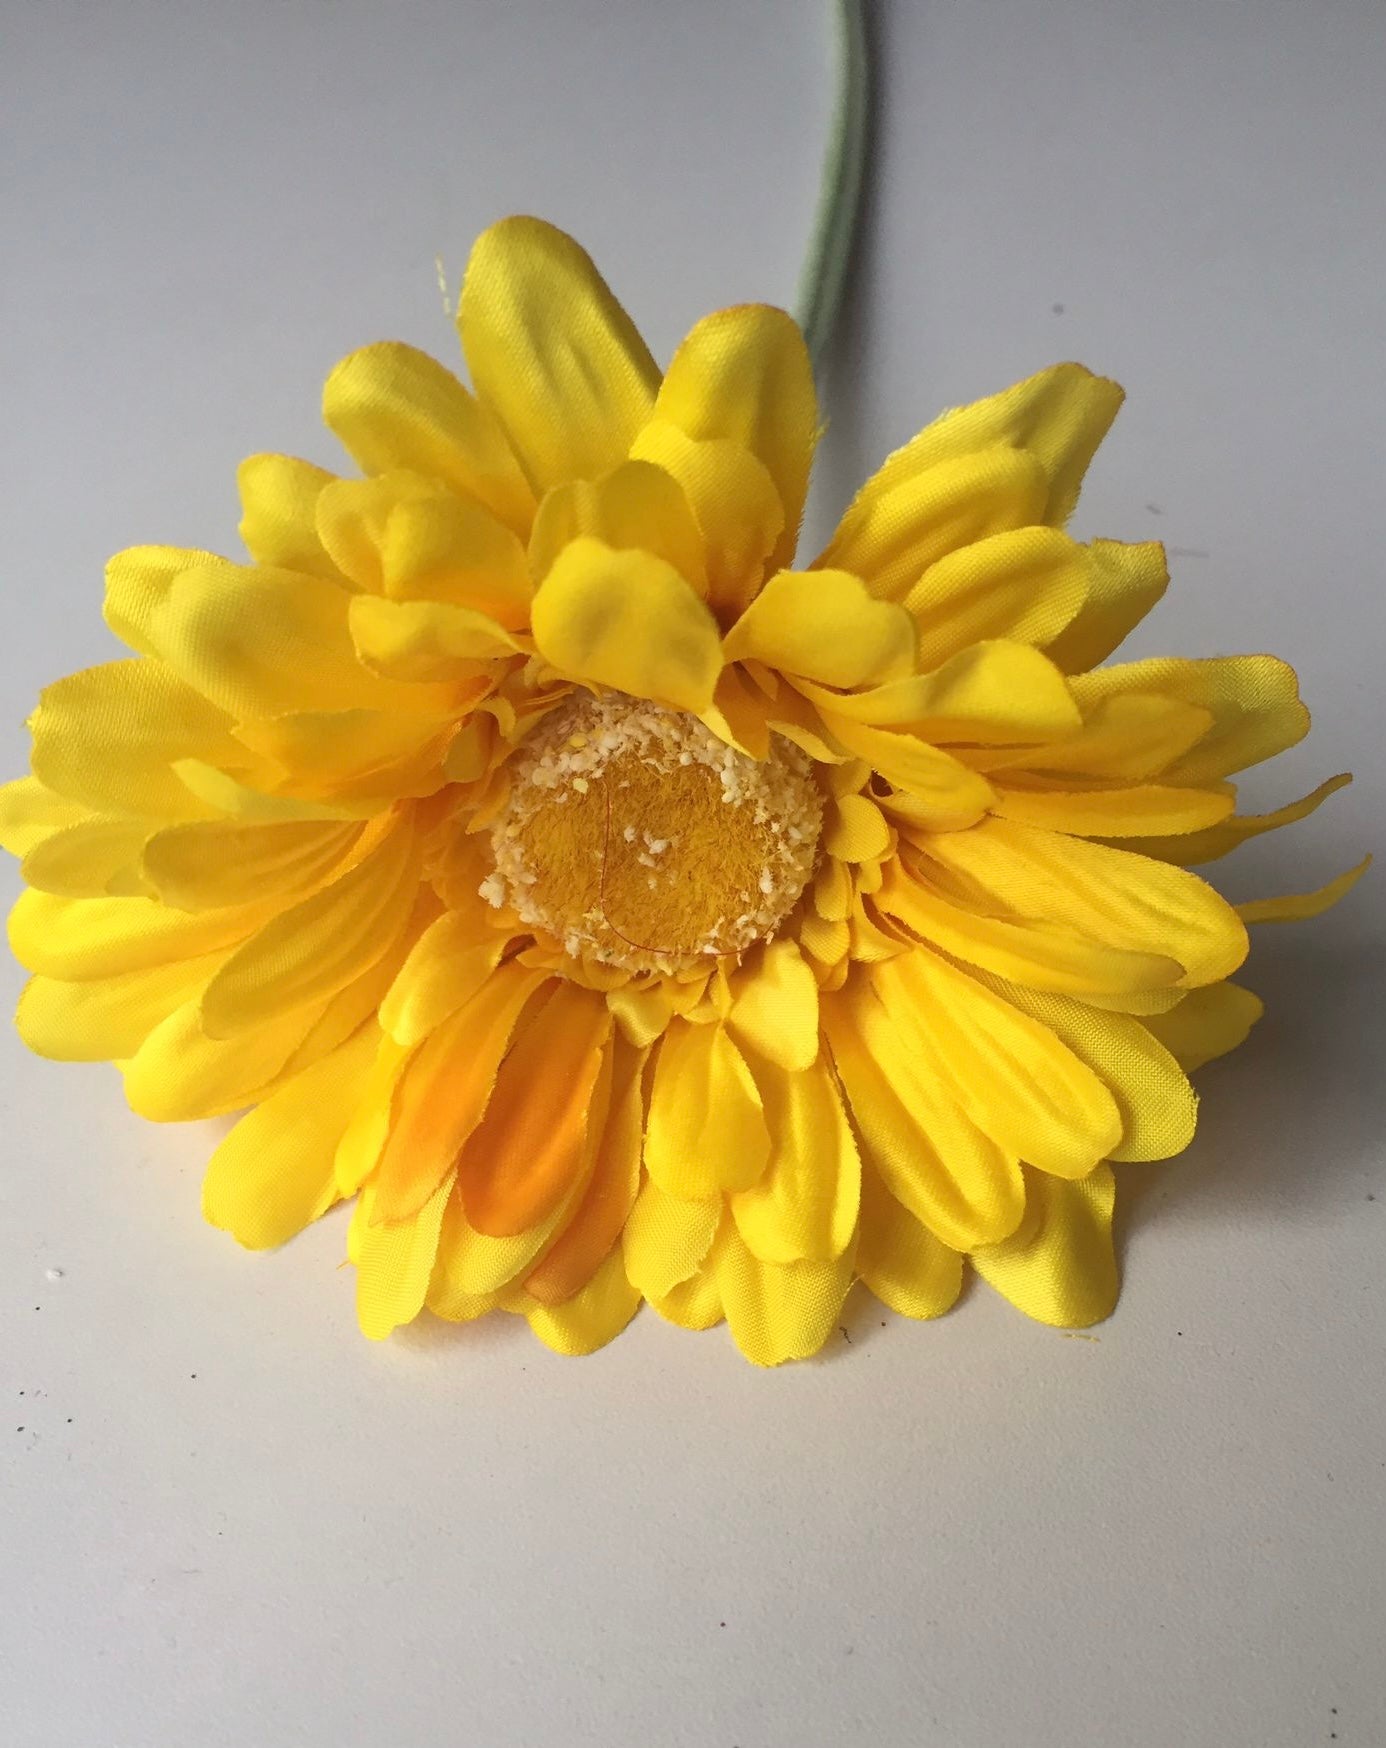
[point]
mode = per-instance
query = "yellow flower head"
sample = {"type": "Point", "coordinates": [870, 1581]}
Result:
{"type": "Point", "coordinates": [616, 910]}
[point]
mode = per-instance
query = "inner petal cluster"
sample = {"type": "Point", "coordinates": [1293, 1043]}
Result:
{"type": "Point", "coordinates": [637, 838]}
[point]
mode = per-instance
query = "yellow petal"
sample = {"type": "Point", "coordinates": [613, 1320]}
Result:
{"type": "Point", "coordinates": [1017, 1081]}
{"type": "Point", "coordinates": [279, 497]}
{"type": "Point", "coordinates": [779, 1312]}
{"type": "Point", "coordinates": [319, 945]}
{"type": "Point", "coordinates": [636, 505]}
{"type": "Point", "coordinates": [666, 1238]}
{"type": "Point", "coordinates": [1234, 830]}
{"type": "Point", "coordinates": [1298, 907]}
{"type": "Point", "coordinates": [857, 830]}
{"type": "Point", "coordinates": [179, 1074]}
{"type": "Point", "coordinates": [442, 548]}
{"type": "Point", "coordinates": [552, 354]}
{"type": "Point", "coordinates": [930, 1154]}
{"type": "Point", "coordinates": [900, 1260]}
{"type": "Point", "coordinates": [1039, 955]}
{"type": "Point", "coordinates": [734, 502]}
{"type": "Point", "coordinates": [29, 813]}
{"type": "Point", "coordinates": [991, 693]}
{"type": "Point", "coordinates": [345, 763]}
{"type": "Point", "coordinates": [592, 1317]}
{"type": "Point", "coordinates": [893, 533]}
{"type": "Point", "coordinates": [577, 1254]}
{"type": "Point", "coordinates": [744, 375]}
{"type": "Point", "coordinates": [949, 796]}
{"type": "Point", "coordinates": [107, 1019]}
{"type": "Point", "coordinates": [774, 1007]}
{"type": "Point", "coordinates": [1107, 894]}
{"type": "Point", "coordinates": [805, 1204]}
{"type": "Point", "coordinates": [83, 938]}
{"type": "Point", "coordinates": [446, 967]}
{"type": "Point", "coordinates": [272, 1175]}
{"type": "Point", "coordinates": [695, 1303]}
{"type": "Point", "coordinates": [1124, 583]}
{"type": "Point", "coordinates": [394, 1263]}
{"type": "Point", "coordinates": [425, 640]}
{"type": "Point", "coordinates": [1024, 585]}
{"type": "Point", "coordinates": [1118, 813]}
{"type": "Point", "coordinates": [630, 621]}
{"type": "Point", "coordinates": [94, 859]}
{"type": "Point", "coordinates": [139, 578]}
{"type": "Point", "coordinates": [825, 625]}
{"type": "Point", "coordinates": [1059, 1267]}
{"type": "Point", "coordinates": [353, 517]}
{"type": "Point", "coordinates": [261, 642]}
{"type": "Point", "coordinates": [392, 406]}
{"type": "Point", "coordinates": [1157, 1104]}
{"type": "Point", "coordinates": [472, 1267]}
{"type": "Point", "coordinates": [208, 864]}
{"type": "Point", "coordinates": [1254, 700]}
{"type": "Point", "coordinates": [1122, 739]}
{"type": "Point", "coordinates": [1059, 416]}
{"type": "Point", "coordinates": [439, 1095]}
{"type": "Point", "coordinates": [108, 737]}
{"type": "Point", "coordinates": [706, 1126]}
{"type": "Point", "coordinates": [1207, 1023]}
{"type": "Point", "coordinates": [527, 1150]}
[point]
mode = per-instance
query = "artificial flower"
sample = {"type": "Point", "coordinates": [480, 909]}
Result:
{"type": "Point", "coordinates": [618, 910]}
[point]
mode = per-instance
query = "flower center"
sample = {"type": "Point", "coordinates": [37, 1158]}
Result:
{"type": "Point", "coordinates": [634, 836]}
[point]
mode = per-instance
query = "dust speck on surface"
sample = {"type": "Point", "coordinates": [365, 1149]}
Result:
{"type": "Point", "coordinates": [1057, 308]}
{"type": "Point", "coordinates": [53, 1274]}
{"type": "Point", "coordinates": [1154, 509]}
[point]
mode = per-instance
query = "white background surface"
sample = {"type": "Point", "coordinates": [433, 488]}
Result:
{"type": "Point", "coordinates": [225, 1519]}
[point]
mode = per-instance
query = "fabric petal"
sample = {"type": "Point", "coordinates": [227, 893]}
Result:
{"type": "Point", "coordinates": [108, 737]}
{"type": "Point", "coordinates": [949, 796]}
{"type": "Point", "coordinates": [1207, 1023]}
{"type": "Point", "coordinates": [107, 1019]}
{"type": "Point", "coordinates": [394, 1264]}
{"type": "Point", "coordinates": [666, 1238]}
{"type": "Point", "coordinates": [532, 1142]}
{"type": "Point", "coordinates": [1254, 700]}
{"type": "Point", "coordinates": [779, 1312]}
{"type": "Point", "coordinates": [1118, 813]}
{"type": "Point", "coordinates": [1124, 583]}
{"type": "Point", "coordinates": [1025, 585]}
{"type": "Point", "coordinates": [637, 505]}
{"type": "Point", "coordinates": [1017, 1081]}
{"type": "Point", "coordinates": [935, 1161]}
{"type": "Point", "coordinates": [892, 533]}
{"type": "Point", "coordinates": [319, 945]}
{"type": "Point", "coordinates": [208, 864]}
{"type": "Point", "coordinates": [592, 1317]}
{"type": "Point", "coordinates": [279, 497]}
{"type": "Point", "coordinates": [1107, 894]}
{"type": "Point", "coordinates": [1298, 907]}
{"type": "Point", "coordinates": [1060, 1266]}
{"type": "Point", "coordinates": [1234, 830]}
{"type": "Point", "coordinates": [805, 1203]}
{"type": "Point", "coordinates": [78, 939]}
{"type": "Point", "coordinates": [774, 1008]}
{"type": "Point", "coordinates": [825, 625]}
{"type": "Point", "coordinates": [552, 354]}
{"type": "Point", "coordinates": [706, 1130]}
{"type": "Point", "coordinates": [442, 1090]}
{"type": "Point", "coordinates": [446, 967]}
{"type": "Point", "coordinates": [734, 502]}
{"type": "Point", "coordinates": [900, 1260]}
{"type": "Point", "coordinates": [577, 1254]}
{"type": "Point", "coordinates": [272, 1175]}
{"type": "Point", "coordinates": [630, 621]}
{"type": "Point", "coordinates": [392, 406]}
{"type": "Point", "coordinates": [744, 375]}
{"type": "Point", "coordinates": [1058, 416]}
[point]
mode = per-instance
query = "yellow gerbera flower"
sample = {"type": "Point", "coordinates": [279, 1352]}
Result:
{"type": "Point", "coordinates": [616, 910]}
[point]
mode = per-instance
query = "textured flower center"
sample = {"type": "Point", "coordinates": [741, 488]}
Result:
{"type": "Point", "coordinates": [634, 835]}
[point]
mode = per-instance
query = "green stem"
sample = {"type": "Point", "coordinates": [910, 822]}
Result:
{"type": "Point", "coordinates": [824, 273]}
